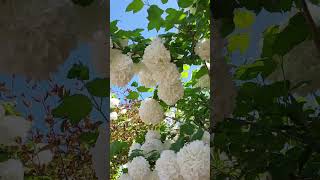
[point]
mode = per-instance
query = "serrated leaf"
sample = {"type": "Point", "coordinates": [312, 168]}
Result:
{"type": "Point", "coordinates": [154, 17]}
{"type": "Point", "coordinates": [75, 108]}
{"type": "Point", "coordinates": [174, 17]}
{"type": "Point", "coordinates": [185, 3]}
{"type": "Point", "coordinates": [117, 147]}
{"type": "Point", "coordinates": [135, 6]}
{"type": "Point", "coordinates": [133, 95]}
{"type": "Point", "coordinates": [243, 19]}
{"type": "Point", "coordinates": [238, 42]}
{"type": "Point", "coordinates": [99, 87]}
{"type": "Point", "coordinates": [143, 89]}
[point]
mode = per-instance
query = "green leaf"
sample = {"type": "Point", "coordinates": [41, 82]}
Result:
{"type": "Point", "coordinates": [250, 71]}
{"type": "Point", "coordinates": [135, 6]}
{"type": "Point", "coordinates": [174, 17]}
{"type": "Point", "coordinates": [133, 95]}
{"type": "Point", "coordinates": [134, 84]}
{"type": "Point", "coordinates": [243, 19]}
{"type": "Point", "coordinates": [238, 42]}
{"type": "Point", "coordinates": [187, 129]}
{"type": "Point", "coordinates": [184, 74]}
{"type": "Point", "coordinates": [78, 71]}
{"type": "Point", "coordinates": [117, 147]}
{"type": "Point", "coordinates": [164, 1]}
{"type": "Point", "coordinates": [113, 26]}
{"type": "Point", "coordinates": [4, 156]}
{"type": "Point", "coordinates": [269, 37]}
{"type": "Point", "coordinates": [198, 135]}
{"type": "Point", "coordinates": [178, 144]}
{"type": "Point", "coordinates": [99, 87]}
{"type": "Point", "coordinates": [143, 89]}
{"type": "Point", "coordinates": [185, 3]}
{"type": "Point", "coordinates": [75, 108]}
{"type": "Point", "coordinates": [293, 34]}
{"type": "Point", "coordinates": [154, 17]}
{"type": "Point", "coordinates": [89, 138]}
{"type": "Point", "coordinates": [186, 67]}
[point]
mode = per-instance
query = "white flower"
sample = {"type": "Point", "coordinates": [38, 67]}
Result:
{"type": "Point", "coordinates": [123, 111]}
{"type": "Point", "coordinates": [125, 176]}
{"type": "Point", "coordinates": [150, 146]}
{"type": "Point", "coordinates": [12, 127]}
{"type": "Point", "coordinates": [167, 166]}
{"type": "Point", "coordinates": [146, 78]}
{"type": "Point", "coordinates": [114, 102]}
{"type": "Point", "coordinates": [134, 146]}
{"type": "Point", "coordinates": [202, 49]}
{"type": "Point", "coordinates": [170, 94]}
{"type": "Point", "coordinates": [113, 115]}
{"type": "Point", "coordinates": [138, 168]}
{"type": "Point", "coordinates": [194, 161]}
{"type": "Point", "coordinates": [156, 54]}
{"type": "Point", "coordinates": [151, 134]}
{"type": "Point", "coordinates": [203, 82]}
{"type": "Point", "coordinates": [11, 170]}
{"type": "Point", "coordinates": [42, 157]}
{"type": "Point", "coordinates": [206, 137]}
{"type": "Point", "coordinates": [121, 68]}
{"type": "Point", "coordinates": [166, 74]}
{"type": "Point", "coordinates": [152, 176]}
{"type": "Point", "coordinates": [151, 111]}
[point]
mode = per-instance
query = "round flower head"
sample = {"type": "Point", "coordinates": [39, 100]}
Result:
{"type": "Point", "coordinates": [194, 161]}
{"type": "Point", "coordinates": [170, 94]}
{"type": "Point", "coordinates": [167, 144]}
{"type": "Point", "coordinates": [202, 49]}
{"type": "Point", "coordinates": [125, 176]}
{"type": "Point", "coordinates": [151, 111]}
{"type": "Point", "coordinates": [150, 146]}
{"type": "Point", "coordinates": [166, 74]}
{"type": "Point", "coordinates": [146, 78]}
{"type": "Point", "coordinates": [114, 102]}
{"type": "Point", "coordinates": [42, 157]}
{"type": "Point", "coordinates": [152, 176]}
{"type": "Point", "coordinates": [121, 68]}
{"type": "Point", "coordinates": [138, 168]}
{"type": "Point", "coordinates": [167, 166]}
{"type": "Point", "coordinates": [151, 134]}
{"type": "Point", "coordinates": [12, 127]}
{"type": "Point", "coordinates": [11, 170]}
{"type": "Point", "coordinates": [156, 54]}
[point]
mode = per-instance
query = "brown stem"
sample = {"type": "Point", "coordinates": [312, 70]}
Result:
{"type": "Point", "coordinates": [312, 24]}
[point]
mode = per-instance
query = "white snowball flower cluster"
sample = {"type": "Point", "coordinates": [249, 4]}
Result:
{"type": "Point", "coordinates": [125, 176]}
{"type": "Point", "coordinates": [167, 166]}
{"type": "Point", "coordinates": [151, 111]}
{"type": "Point", "coordinates": [194, 161]}
{"type": "Point", "coordinates": [151, 146]}
{"type": "Point", "coordinates": [170, 94]}
{"type": "Point", "coordinates": [121, 68]}
{"type": "Point", "coordinates": [11, 170]}
{"type": "Point", "coordinates": [156, 68]}
{"type": "Point", "coordinates": [114, 102]}
{"type": "Point", "coordinates": [12, 127]}
{"type": "Point", "coordinates": [42, 157]}
{"type": "Point", "coordinates": [138, 168]}
{"type": "Point", "coordinates": [152, 134]}
{"type": "Point", "coordinates": [202, 49]}
{"type": "Point", "coordinates": [203, 82]}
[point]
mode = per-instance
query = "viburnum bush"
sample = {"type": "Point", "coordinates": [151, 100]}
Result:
{"type": "Point", "coordinates": [163, 84]}
{"type": "Point", "coordinates": [267, 125]}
